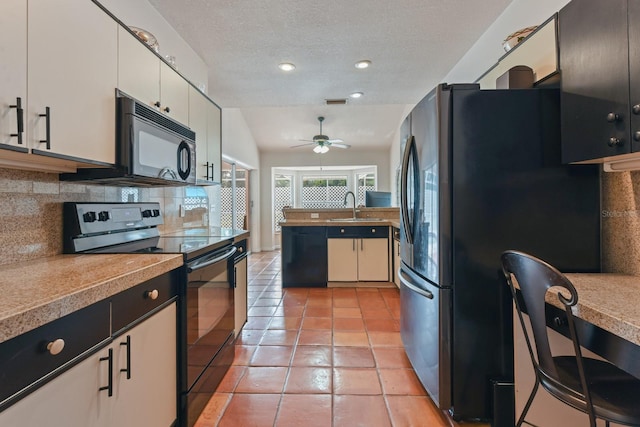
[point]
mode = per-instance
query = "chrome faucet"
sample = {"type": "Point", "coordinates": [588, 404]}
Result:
{"type": "Point", "coordinates": [354, 202]}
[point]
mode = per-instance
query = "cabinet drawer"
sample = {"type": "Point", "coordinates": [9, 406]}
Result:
{"type": "Point", "coordinates": [358, 231]}
{"type": "Point", "coordinates": [25, 359]}
{"type": "Point", "coordinates": [132, 304]}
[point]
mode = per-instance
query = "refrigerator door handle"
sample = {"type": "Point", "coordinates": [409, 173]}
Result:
{"type": "Point", "coordinates": [404, 178]}
{"type": "Point", "coordinates": [423, 292]}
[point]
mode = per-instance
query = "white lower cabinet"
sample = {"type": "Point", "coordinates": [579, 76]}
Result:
{"type": "Point", "coordinates": [80, 397]}
{"type": "Point", "coordinates": [358, 259]}
{"type": "Point", "coordinates": [145, 394]}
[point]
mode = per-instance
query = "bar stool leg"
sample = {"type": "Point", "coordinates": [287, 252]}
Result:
{"type": "Point", "coordinates": [529, 402]}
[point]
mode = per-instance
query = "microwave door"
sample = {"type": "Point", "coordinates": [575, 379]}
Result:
{"type": "Point", "coordinates": [157, 153]}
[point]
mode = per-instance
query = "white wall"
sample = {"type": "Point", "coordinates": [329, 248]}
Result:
{"type": "Point", "coordinates": [335, 157]}
{"type": "Point", "coordinates": [488, 49]}
{"type": "Point", "coordinates": [239, 146]}
{"type": "Point", "coordinates": [140, 13]}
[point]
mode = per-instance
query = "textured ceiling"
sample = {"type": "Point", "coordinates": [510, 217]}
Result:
{"type": "Point", "coordinates": [412, 45]}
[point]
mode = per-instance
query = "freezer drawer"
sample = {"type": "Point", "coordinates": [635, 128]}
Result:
{"type": "Point", "coordinates": [426, 334]}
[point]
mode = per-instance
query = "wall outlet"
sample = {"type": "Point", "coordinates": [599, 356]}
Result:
{"type": "Point", "coordinates": [315, 215]}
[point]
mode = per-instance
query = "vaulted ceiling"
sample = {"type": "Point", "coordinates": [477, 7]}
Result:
{"type": "Point", "coordinates": [411, 44]}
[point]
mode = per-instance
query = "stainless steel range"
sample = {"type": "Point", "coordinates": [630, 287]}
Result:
{"type": "Point", "coordinates": [206, 295]}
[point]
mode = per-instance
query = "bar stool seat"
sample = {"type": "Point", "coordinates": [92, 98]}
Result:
{"type": "Point", "coordinates": [596, 387]}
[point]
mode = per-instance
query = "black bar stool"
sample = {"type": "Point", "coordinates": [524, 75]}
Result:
{"type": "Point", "coordinates": [596, 387]}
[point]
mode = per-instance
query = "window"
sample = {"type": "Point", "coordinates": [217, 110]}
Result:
{"type": "Point", "coordinates": [282, 196]}
{"type": "Point", "coordinates": [226, 198]}
{"type": "Point", "coordinates": [364, 182]}
{"type": "Point", "coordinates": [321, 192]}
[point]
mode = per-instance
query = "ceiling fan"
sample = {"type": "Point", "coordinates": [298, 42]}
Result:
{"type": "Point", "coordinates": [322, 142]}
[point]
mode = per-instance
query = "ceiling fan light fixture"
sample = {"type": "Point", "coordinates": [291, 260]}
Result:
{"type": "Point", "coordinates": [320, 149]}
{"type": "Point", "coordinates": [363, 64]}
{"type": "Point", "coordinates": [356, 95]}
{"type": "Point", "coordinates": [287, 66]}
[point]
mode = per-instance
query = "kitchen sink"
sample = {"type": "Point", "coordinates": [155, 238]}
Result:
{"type": "Point", "coordinates": [356, 219]}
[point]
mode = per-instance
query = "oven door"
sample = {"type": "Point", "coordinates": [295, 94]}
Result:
{"type": "Point", "coordinates": [209, 303]}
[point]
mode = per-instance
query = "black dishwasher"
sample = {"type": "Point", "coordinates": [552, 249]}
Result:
{"type": "Point", "coordinates": [304, 256]}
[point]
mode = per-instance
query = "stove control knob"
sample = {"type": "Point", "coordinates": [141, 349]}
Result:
{"type": "Point", "coordinates": [156, 212]}
{"type": "Point", "coordinates": [89, 216]}
{"type": "Point", "coordinates": [147, 213]}
{"type": "Point", "coordinates": [103, 216]}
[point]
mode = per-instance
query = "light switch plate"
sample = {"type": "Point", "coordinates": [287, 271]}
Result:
{"type": "Point", "coordinates": [315, 215]}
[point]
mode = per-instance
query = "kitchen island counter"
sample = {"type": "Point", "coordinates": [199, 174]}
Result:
{"type": "Point", "coordinates": [42, 290]}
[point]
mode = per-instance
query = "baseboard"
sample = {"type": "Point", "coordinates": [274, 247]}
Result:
{"type": "Point", "coordinates": [361, 285]}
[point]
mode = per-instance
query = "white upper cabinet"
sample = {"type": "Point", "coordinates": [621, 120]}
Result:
{"type": "Point", "coordinates": [13, 69]}
{"type": "Point", "coordinates": [145, 77]}
{"type": "Point", "coordinates": [138, 69]}
{"type": "Point", "coordinates": [174, 94]}
{"type": "Point", "coordinates": [198, 124]}
{"type": "Point", "coordinates": [71, 78]}
{"type": "Point", "coordinates": [214, 141]}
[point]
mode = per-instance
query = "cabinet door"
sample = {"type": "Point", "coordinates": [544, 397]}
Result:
{"type": "Point", "coordinates": [373, 260]}
{"type": "Point", "coordinates": [214, 141]}
{"type": "Point", "coordinates": [174, 94]}
{"type": "Point", "coordinates": [13, 67]}
{"type": "Point", "coordinates": [634, 70]}
{"type": "Point", "coordinates": [198, 109]}
{"type": "Point", "coordinates": [72, 400]}
{"type": "Point", "coordinates": [595, 79]}
{"type": "Point", "coordinates": [138, 69]}
{"type": "Point", "coordinates": [72, 71]}
{"type": "Point", "coordinates": [149, 396]}
{"type": "Point", "coordinates": [342, 260]}
{"type": "Point", "coordinates": [240, 295]}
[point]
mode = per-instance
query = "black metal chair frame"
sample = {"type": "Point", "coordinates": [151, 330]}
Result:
{"type": "Point", "coordinates": [541, 277]}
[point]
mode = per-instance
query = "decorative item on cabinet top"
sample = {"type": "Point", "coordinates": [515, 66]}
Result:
{"type": "Point", "coordinates": [516, 37]}
{"type": "Point", "coordinates": [148, 38]}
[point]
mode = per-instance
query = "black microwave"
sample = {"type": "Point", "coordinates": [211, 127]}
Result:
{"type": "Point", "coordinates": [151, 149]}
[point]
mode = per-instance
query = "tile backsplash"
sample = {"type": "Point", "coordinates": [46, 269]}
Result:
{"type": "Point", "coordinates": [31, 209]}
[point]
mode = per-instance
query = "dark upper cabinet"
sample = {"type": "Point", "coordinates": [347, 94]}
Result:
{"type": "Point", "coordinates": [600, 62]}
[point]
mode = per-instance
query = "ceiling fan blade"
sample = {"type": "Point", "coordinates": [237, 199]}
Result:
{"type": "Point", "coordinates": [340, 145]}
{"type": "Point", "coordinates": [333, 141]}
{"type": "Point", "coordinates": [303, 145]}
{"type": "Point", "coordinates": [307, 140]}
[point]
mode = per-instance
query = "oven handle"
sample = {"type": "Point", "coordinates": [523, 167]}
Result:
{"type": "Point", "coordinates": [197, 265]}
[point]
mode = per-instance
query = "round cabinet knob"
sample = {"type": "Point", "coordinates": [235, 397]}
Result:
{"type": "Point", "coordinates": [153, 294]}
{"type": "Point", "coordinates": [613, 117]}
{"type": "Point", "coordinates": [615, 142]}
{"type": "Point", "coordinates": [636, 136]}
{"type": "Point", "coordinates": [56, 346]}
{"type": "Point", "coordinates": [373, 230]}
{"type": "Point", "coordinates": [240, 249]}
{"type": "Point", "coordinates": [636, 109]}
{"type": "Point", "coordinates": [167, 109]}
{"type": "Point", "coordinates": [157, 104]}
{"type": "Point", "coordinates": [342, 230]}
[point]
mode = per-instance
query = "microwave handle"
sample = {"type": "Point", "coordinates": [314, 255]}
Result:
{"type": "Point", "coordinates": [184, 152]}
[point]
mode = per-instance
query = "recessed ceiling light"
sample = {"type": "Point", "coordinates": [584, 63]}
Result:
{"type": "Point", "coordinates": [363, 64]}
{"type": "Point", "coordinates": [356, 94]}
{"type": "Point", "coordinates": [287, 66]}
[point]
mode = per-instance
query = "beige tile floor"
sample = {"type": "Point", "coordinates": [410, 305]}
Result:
{"type": "Point", "coordinates": [328, 357]}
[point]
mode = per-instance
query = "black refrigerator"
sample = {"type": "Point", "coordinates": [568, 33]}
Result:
{"type": "Point", "coordinates": [481, 174]}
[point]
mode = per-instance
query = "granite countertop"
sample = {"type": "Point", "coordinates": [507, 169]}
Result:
{"type": "Point", "coordinates": [607, 300]}
{"type": "Point", "coordinates": [39, 291]}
